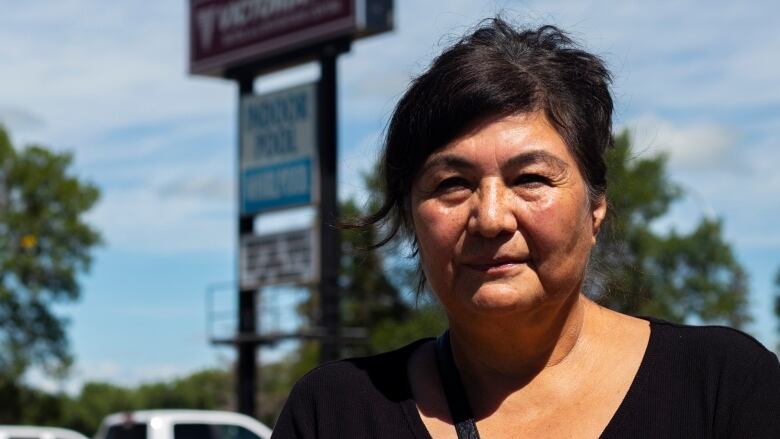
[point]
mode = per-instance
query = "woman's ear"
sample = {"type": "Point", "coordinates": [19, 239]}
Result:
{"type": "Point", "coordinates": [599, 213]}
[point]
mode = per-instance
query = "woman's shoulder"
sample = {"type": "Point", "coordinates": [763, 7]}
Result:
{"type": "Point", "coordinates": [705, 379]}
{"type": "Point", "coordinates": [354, 397]}
{"type": "Point", "coordinates": [715, 355]}
{"type": "Point", "coordinates": [385, 373]}
{"type": "Point", "coordinates": [707, 340]}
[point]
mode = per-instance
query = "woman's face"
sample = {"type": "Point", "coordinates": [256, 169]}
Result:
{"type": "Point", "coordinates": [503, 220]}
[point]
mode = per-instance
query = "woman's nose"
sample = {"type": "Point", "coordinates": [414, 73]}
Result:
{"type": "Point", "coordinates": [492, 213]}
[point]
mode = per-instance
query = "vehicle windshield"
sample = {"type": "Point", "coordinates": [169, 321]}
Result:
{"type": "Point", "coordinates": [127, 431]}
{"type": "Point", "coordinates": [211, 431]}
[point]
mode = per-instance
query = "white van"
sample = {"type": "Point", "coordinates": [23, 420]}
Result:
{"type": "Point", "coordinates": [181, 424]}
{"type": "Point", "coordinates": [35, 432]}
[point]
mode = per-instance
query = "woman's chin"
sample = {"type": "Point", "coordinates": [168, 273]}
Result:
{"type": "Point", "coordinates": [502, 299]}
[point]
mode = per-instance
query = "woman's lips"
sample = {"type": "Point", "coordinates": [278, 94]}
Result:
{"type": "Point", "coordinates": [496, 267]}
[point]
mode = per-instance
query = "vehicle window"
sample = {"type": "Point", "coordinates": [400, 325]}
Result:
{"type": "Point", "coordinates": [127, 431]}
{"type": "Point", "coordinates": [211, 431]}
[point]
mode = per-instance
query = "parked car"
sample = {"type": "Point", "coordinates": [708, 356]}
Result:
{"type": "Point", "coordinates": [181, 424]}
{"type": "Point", "coordinates": [36, 432]}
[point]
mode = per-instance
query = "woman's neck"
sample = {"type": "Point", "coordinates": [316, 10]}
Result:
{"type": "Point", "coordinates": [509, 351]}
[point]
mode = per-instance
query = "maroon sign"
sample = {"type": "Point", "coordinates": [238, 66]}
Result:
{"type": "Point", "coordinates": [228, 33]}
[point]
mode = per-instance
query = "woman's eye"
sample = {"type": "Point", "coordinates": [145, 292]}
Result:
{"type": "Point", "coordinates": [531, 180]}
{"type": "Point", "coordinates": [452, 183]}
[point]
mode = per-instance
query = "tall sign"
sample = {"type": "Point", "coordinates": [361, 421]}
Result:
{"type": "Point", "coordinates": [287, 146]}
{"type": "Point", "coordinates": [230, 33]}
{"type": "Point", "coordinates": [278, 150]}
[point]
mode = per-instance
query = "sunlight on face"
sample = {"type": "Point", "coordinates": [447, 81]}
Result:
{"type": "Point", "coordinates": [503, 220]}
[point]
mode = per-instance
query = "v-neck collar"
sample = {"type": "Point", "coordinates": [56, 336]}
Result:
{"type": "Point", "coordinates": [624, 413]}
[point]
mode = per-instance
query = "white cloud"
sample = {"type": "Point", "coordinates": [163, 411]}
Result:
{"type": "Point", "coordinates": [722, 174]}
{"type": "Point", "coordinates": [678, 55]}
{"type": "Point", "coordinates": [202, 187]}
{"type": "Point", "coordinates": [354, 164]}
{"type": "Point", "coordinates": [141, 220]}
{"type": "Point", "coordinates": [16, 119]}
{"type": "Point", "coordinates": [379, 68]}
{"type": "Point", "coordinates": [156, 141]}
{"type": "Point", "coordinates": [84, 77]}
{"type": "Point", "coordinates": [692, 146]}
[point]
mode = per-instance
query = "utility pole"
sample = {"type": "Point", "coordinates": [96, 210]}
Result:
{"type": "Point", "coordinates": [330, 247]}
{"type": "Point", "coordinates": [246, 384]}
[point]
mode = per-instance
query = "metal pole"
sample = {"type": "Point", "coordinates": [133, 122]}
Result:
{"type": "Point", "coordinates": [330, 251]}
{"type": "Point", "coordinates": [246, 384]}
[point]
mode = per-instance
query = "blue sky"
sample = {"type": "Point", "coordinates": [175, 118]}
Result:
{"type": "Point", "coordinates": [108, 81]}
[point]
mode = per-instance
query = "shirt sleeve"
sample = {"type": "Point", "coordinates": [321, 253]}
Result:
{"type": "Point", "coordinates": [297, 419]}
{"type": "Point", "coordinates": [757, 413]}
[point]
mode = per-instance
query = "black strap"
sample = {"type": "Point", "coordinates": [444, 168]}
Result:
{"type": "Point", "coordinates": [458, 402]}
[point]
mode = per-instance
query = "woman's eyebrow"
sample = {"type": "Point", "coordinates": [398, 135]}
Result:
{"type": "Point", "coordinates": [534, 157]}
{"type": "Point", "coordinates": [454, 161]}
{"type": "Point", "coordinates": [446, 161]}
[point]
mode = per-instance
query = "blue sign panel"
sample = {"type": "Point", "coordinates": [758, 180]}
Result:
{"type": "Point", "coordinates": [278, 150]}
{"type": "Point", "coordinates": [280, 185]}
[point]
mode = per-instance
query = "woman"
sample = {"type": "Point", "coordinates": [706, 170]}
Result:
{"type": "Point", "coordinates": [493, 167]}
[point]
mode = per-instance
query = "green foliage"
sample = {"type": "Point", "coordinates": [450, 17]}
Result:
{"type": "Point", "coordinates": [276, 379]}
{"type": "Point", "coordinates": [375, 294]}
{"type": "Point", "coordinates": [425, 321]}
{"type": "Point", "coordinates": [378, 286]}
{"type": "Point", "coordinates": [44, 244]}
{"type": "Point", "coordinates": [368, 297]}
{"type": "Point", "coordinates": [206, 389]}
{"type": "Point", "coordinates": [672, 276]}
{"type": "Point", "coordinates": [211, 388]}
{"type": "Point", "coordinates": [96, 400]}
{"type": "Point", "coordinates": [21, 404]}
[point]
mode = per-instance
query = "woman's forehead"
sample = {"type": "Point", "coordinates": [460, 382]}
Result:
{"type": "Point", "coordinates": [511, 140]}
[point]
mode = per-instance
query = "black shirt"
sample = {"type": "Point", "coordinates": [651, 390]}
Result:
{"type": "Point", "coordinates": [693, 382]}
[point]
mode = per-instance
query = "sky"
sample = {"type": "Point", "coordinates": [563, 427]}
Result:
{"type": "Point", "coordinates": [109, 82]}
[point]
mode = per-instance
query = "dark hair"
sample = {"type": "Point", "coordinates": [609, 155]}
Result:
{"type": "Point", "coordinates": [495, 71]}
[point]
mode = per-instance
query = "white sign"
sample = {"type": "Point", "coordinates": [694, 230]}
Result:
{"type": "Point", "coordinates": [279, 150]}
{"type": "Point", "coordinates": [281, 258]}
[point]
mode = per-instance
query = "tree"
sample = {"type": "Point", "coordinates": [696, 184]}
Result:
{"type": "Point", "coordinates": [675, 276]}
{"type": "Point", "coordinates": [368, 297]}
{"type": "Point", "coordinates": [376, 289]}
{"type": "Point", "coordinates": [96, 400]}
{"type": "Point", "coordinates": [30, 406]}
{"type": "Point", "coordinates": [379, 287]}
{"type": "Point", "coordinates": [44, 244]}
{"type": "Point", "coordinates": [208, 389]}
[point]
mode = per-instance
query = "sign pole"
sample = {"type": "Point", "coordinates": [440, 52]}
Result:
{"type": "Point", "coordinates": [330, 251]}
{"type": "Point", "coordinates": [246, 384]}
